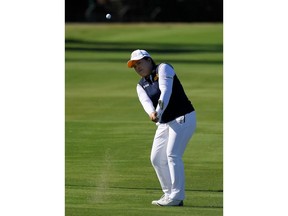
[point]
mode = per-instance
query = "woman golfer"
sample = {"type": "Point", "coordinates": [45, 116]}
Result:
{"type": "Point", "coordinates": [163, 98]}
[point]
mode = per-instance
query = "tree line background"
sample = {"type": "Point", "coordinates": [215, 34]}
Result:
{"type": "Point", "coordinates": [144, 10]}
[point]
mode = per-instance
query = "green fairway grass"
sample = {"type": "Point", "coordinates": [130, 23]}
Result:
{"type": "Point", "coordinates": [108, 135]}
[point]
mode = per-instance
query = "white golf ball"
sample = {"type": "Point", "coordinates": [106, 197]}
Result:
{"type": "Point", "coordinates": [108, 16]}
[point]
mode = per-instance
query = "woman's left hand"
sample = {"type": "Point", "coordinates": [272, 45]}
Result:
{"type": "Point", "coordinates": [153, 117]}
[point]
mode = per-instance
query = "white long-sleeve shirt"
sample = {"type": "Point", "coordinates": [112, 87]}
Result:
{"type": "Point", "coordinates": [166, 74]}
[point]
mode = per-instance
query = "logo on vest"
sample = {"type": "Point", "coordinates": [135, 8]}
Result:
{"type": "Point", "coordinates": [156, 77]}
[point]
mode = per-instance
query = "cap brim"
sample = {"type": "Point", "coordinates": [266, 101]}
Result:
{"type": "Point", "coordinates": [130, 63]}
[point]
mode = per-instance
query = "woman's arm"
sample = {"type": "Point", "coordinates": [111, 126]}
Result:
{"type": "Point", "coordinates": [145, 100]}
{"type": "Point", "coordinates": [166, 74]}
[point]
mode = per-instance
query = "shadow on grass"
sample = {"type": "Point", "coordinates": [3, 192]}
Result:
{"type": "Point", "coordinates": [213, 207]}
{"type": "Point", "coordinates": [81, 45]}
{"type": "Point", "coordinates": [184, 61]}
{"type": "Point", "coordinates": [137, 188]}
{"type": "Point", "coordinates": [72, 45]}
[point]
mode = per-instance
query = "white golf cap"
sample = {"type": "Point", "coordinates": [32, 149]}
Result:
{"type": "Point", "coordinates": [137, 55]}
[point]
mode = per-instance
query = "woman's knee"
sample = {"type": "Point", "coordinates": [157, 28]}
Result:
{"type": "Point", "coordinates": [156, 160]}
{"type": "Point", "coordinates": [173, 158]}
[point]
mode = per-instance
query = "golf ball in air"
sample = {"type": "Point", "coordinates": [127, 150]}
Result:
{"type": "Point", "coordinates": [108, 16]}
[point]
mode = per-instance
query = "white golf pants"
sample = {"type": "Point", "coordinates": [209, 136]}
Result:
{"type": "Point", "coordinates": [169, 144]}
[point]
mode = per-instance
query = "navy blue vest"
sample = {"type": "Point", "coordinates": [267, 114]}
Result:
{"type": "Point", "coordinates": [178, 104]}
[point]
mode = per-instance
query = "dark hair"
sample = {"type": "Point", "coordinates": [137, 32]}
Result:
{"type": "Point", "coordinates": [152, 61]}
